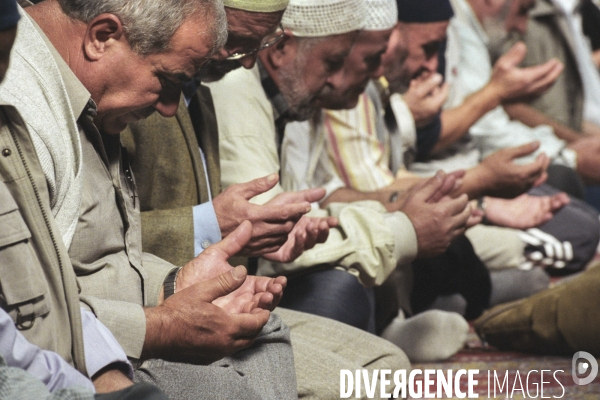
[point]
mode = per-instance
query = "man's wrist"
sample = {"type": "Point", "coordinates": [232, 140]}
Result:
{"type": "Point", "coordinates": [491, 96]}
{"type": "Point", "coordinates": [170, 284]}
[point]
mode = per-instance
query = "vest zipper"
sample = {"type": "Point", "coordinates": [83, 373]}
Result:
{"type": "Point", "coordinates": [82, 367]}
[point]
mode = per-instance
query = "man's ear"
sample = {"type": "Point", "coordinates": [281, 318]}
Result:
{"type": "Point", "coordinates": [101, 33]}
{"type": "Point", "coordinates": [283, 51]}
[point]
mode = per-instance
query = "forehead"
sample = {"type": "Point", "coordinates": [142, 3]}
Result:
{"type": "Point", "coordinates": [335, 46]}
{"type": "Point", "coordinates": [369, 42]}
{"type": "Point", "coordinates": [422, 33]}
{"type": "Point", "coordinates": [190, 47]}
{"type": "Point", "coordinates": [251, 25]}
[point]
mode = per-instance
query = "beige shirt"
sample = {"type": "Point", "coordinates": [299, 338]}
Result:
{"type": "Point", "coordinates": [368, 243]}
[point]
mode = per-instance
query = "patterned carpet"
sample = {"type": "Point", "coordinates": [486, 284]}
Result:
{"type": "Point", "coordinates": [556, 384]}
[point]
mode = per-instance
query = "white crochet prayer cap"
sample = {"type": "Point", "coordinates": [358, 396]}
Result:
{"type": "Point", "coordinates": [266, 6]}
{"type": "Point", "coordinates": [319, 18]}
{"type": "Point", "coordinates": [381, 15]}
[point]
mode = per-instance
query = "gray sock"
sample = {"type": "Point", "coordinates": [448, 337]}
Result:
{"type": "Point", "coordinates": [512, 284]}
{"type": "Point", "coordinates": [430, 336]}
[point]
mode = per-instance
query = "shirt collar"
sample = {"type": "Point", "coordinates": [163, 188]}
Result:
{"type": "Point", "coordinates": [78, 95]}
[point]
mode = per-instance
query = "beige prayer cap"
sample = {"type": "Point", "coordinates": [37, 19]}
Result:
{"type": "Point", "coordinates": [381, 15]}
{"type": "Point", "coordinates": [266, 6]}
{"type": "Point", "coordinates": [318, 18]}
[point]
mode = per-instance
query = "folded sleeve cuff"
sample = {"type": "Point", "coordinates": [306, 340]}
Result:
{"type": "Point", "coordinates": [405, 237]}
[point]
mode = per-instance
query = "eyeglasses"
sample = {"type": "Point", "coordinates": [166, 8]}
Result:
{"type": "Point", "coordinates": [269, 42]}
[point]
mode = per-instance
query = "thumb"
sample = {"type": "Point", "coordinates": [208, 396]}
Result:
{"type": "Point", "coordinates": [427, 188]}
{"type": "Point", "coordinates": [523, 150]}
{"type": "Point", "coordinates": [515, 55]}
{"type": "Point", "coordinates": [221, 285]}
{"type": "Point", "coordinates": [258, 186]}
{"type": "Point", "coordinates": [427, 86]}
{"type": "Point", "coordinates": [236, 240]}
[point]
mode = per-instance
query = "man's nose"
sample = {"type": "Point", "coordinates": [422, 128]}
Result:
{"type": "Point", "coordinates": [249, 61]}
{"type": "Point", "coordinates": [431, 64]}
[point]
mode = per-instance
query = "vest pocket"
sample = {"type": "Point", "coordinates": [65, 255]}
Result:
{"type": "Point", "coordinates": [22, 283]}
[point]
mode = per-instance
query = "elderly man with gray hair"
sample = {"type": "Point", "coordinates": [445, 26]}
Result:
{"type": "Point", "coordinates": [81, 71]}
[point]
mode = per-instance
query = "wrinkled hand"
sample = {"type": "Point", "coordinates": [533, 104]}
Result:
{"type": "Point", "coordinates": [511, 82]}
{"type": "Point", "coordinates": [265, 292]}
{"type": "Point", "coordinates": [501, 177]}
{"type": "Point", "coordinates": [436, 223]}
{"type": "Point", "coordinates": [425, 98]}
{"type": "Point", "coordinates": [271, 222]}
{"type": "Point", "coordinates": [187, 327]}
{"type": "Point", "coordinates": [524, 211]}
{"type": "Point", "coordinates": [588, 158]}
{"type": "Point", "coordinates": [306, 234]}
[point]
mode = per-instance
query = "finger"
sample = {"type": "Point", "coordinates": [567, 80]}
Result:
{"type": "Point", "coordinates": [513, 57]}
{"type": "Point", "coordinates": [221, 285]}
{"type": "Point", "coordinates": [250, 325]}
{"type": "Point", "coordinates": [324, 226]}
{"type": "Point", "coordinates": [447, 187]}
{"type": "Point", "coordinates": [332, 222]}
{"type": "Point", "coordinates": [558, 201]}
{"type": "Point", "coordinates": [264, 301]}
{"type": "Point", "coordinates": [235, 305]}
{"type": "Point", "coordinates": [279, 213]}
{"type": "Point", "coordinates": [425, 189]}
{"type": "Point", "coordinates": [426, 86]}
{"type": "Point", "coordinates": [473, 220]}
{"type": "Point", "coordinates": [543, 177]}
{"type": "Point", "coordinates": [257, 186]}
{"type": "Point", "coordinates": [541, 77]}
{"type": "Point", "coordinates": [458, 174]}
{"type": "Point", "coordinates": [523, 150]}
{"type": "Point", "coordinates": [309, 195]}
{"type": "Point", "coordinates": [533, 170]}
{"type": "Point", "coordinates": [459, 221]}
{"type": "Point", "coordinates": [458, 205]}
{"type": "Point", "coordinates": [281, 281]}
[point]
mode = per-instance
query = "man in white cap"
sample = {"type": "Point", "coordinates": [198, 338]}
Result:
{"type": "Point", "coordinates": [175, 198]}
{"type": "Point", "coordinates": [283, 87]}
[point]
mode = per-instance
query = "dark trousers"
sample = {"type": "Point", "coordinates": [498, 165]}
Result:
{"type": "Point", "coordinates": [332, 294]}
{"type": "Point", "coordinates": [458, 270]}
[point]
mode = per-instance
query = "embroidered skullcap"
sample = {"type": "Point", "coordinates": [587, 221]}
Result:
{"type": "Point", "coordinates": [381, 15]}
{"type": "Point", "coordinates": [9, 15]}
{"type": "Point", "coordinates": [266, 6]}
{"type": "Point", "coordinates": [319, 18]}
{"type": "Point", "coordinates": [424, 11]}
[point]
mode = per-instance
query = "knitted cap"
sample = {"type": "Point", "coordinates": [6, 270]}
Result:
{"type": "Point", "coordinates": [319, 18]}
{"type": "Point", "coordinates": [424, 11]}
{"type": "Point", "coordinates": [381, 15]}
{"type": "Point", "coordinates": [9, 15]}
{"type": "Point", "coordinates": [257, 5]}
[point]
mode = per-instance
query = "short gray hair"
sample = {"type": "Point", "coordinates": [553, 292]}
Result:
{"type": "Point", "coordinates": [149, 25]}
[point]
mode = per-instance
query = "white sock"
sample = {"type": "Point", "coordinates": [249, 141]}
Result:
{"type": "Point", "coordinates": [433, 335]}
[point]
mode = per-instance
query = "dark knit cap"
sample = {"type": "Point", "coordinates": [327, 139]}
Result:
{"type": "Point", "coordinates": [9, 15]}
{"type": "Point", "coordinates": [424, 11]}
